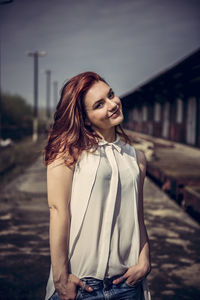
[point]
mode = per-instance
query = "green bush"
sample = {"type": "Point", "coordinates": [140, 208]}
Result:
{"type": "Point", "coordinates": [16, 116]}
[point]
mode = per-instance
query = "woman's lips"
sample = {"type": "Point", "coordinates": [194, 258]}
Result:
{"type": "Point", "coordinates": [115, 114]}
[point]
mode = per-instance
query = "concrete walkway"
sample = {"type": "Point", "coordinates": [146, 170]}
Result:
{"type": "Point", "coordinates": [24, 252]}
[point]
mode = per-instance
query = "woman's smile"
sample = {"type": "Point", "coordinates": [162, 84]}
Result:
{"type": "Point", "coordinates": [115, 114]}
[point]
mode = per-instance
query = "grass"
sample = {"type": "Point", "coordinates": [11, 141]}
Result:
{"type": "Point", "coordinates": [15, 159]}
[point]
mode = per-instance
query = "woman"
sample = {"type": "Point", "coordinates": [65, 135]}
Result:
{"type": "Point", "coordinates": [98, 240]}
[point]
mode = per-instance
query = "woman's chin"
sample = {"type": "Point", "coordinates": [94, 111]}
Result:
{"type": "Point", "coordinates": [118, 120]}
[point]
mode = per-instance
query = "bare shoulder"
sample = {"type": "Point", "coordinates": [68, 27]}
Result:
{"type": "Point", "coordinates": [59, 184]}
{"type": "Point", "coordinates": [141, 159]}
{"type": "Point", "coordinates": [59, 168]}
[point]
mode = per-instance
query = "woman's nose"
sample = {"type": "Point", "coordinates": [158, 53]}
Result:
{"type": "Point", "coordinates": [111, 105]}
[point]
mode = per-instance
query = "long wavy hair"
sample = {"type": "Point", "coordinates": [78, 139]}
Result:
{"type": "Point", "coordinates": [69, 135]}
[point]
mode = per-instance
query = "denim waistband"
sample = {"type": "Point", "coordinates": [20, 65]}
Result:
{"type": "Point", "coordinates": [98, 283]}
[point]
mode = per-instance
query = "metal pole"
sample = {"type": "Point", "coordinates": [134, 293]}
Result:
{"type": "Point", "coordinates": [35, 92]}
{"type": "Point", "coordinates": [35, 56]}
{"type": "Point", "coordinates": [35, 84]}
{"type": "Point", "coordinates": [55, 92]}
{"type": "Point", "coordinates": [48, 92]}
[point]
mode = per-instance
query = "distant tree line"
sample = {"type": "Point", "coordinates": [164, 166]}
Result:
{"type": "Point", "coordinates": [16, 117]}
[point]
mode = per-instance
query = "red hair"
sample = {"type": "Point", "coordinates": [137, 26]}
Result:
{"type": "Point", "coordinates": [69, 135]}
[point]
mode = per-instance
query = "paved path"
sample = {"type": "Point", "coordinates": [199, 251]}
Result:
{"type": "Point", "coordinates": [24, 253]}
{"type": "Point", "coordinates": [175, 248]}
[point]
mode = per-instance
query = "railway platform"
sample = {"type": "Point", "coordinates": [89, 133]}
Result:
{"type": "Point", "coordinates": [175, 167]}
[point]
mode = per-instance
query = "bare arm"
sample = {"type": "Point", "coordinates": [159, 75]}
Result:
{"type": "Point", "coordinates": [59, 185]}
{"type": "Point", "coordinates": [59, 182]}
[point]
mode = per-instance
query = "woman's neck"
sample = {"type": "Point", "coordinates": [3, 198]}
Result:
{"type": "Point", "coordinates": [109, 137]}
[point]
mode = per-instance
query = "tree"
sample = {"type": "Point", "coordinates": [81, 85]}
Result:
{"type": "Point", "coordinates": [17, 116]}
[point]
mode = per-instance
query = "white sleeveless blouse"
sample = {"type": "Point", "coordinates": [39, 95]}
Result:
{"type": "Point", "coordinates": [104, 232]}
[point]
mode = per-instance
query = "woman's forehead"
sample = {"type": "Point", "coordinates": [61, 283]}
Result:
{"type": "Point", "coordinates": [97, 92]}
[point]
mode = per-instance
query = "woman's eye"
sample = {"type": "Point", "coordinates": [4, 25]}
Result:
{"type": "Point", "coordinates": [99, 105]}
{"type": "Point", "coordinates": [111, 95]}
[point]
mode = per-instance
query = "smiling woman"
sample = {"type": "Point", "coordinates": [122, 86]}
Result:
{"type": "Point", "coordinates": [103, 110]}
{"type": "Point", "coordinates": [98, 240]}
{"type": "Point", "coordinates": [84, 97]}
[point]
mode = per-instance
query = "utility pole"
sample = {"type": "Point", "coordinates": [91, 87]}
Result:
{"type": "Point", "coordinates": [35, 56]}
{"type": "Point", "coordinates": [48, 94]}
{"type": "Point", "coordinates": [55, 93]}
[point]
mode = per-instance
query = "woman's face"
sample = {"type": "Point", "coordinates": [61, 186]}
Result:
{"type": "Point", "coordinates": [103, 108]}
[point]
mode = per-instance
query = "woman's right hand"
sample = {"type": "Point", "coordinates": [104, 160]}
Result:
{"type": "Point", "coordinates": [67, 288]}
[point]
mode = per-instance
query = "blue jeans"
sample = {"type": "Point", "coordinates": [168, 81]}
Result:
{"type": "Point", "coordinates": [105, 289]}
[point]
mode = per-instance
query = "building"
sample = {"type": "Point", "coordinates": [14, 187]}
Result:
{"type": "Point", "coordinates": [168, 105]}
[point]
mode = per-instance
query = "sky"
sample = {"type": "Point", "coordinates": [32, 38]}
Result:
{"type": "Point", "coordinates": [126, 41]}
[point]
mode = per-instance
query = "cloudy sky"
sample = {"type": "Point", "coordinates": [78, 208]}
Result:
{"type": "Point", "coordinates": [126, 41]}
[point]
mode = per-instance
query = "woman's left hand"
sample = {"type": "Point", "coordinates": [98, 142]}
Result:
{"type": "Point", "coordinates": [133, 275]}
